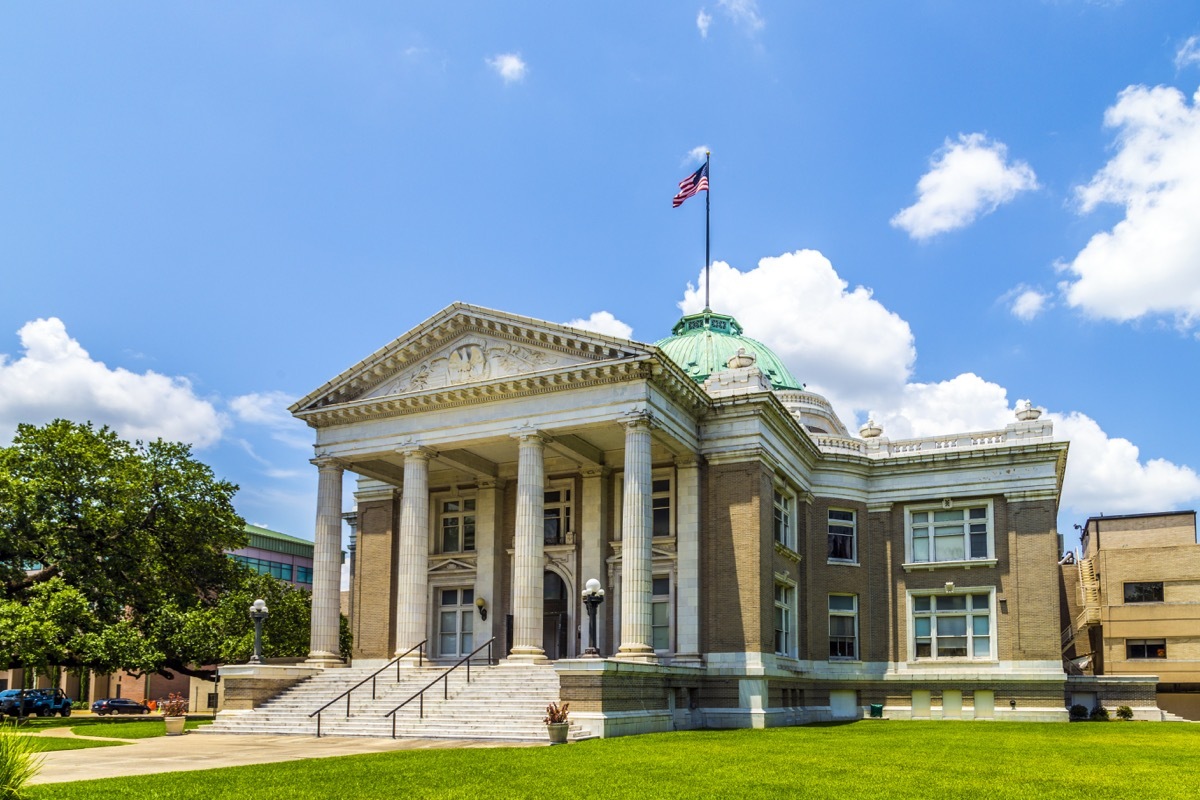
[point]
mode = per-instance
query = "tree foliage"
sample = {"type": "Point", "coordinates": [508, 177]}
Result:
{"type": "Point", "coordinates": [113, 555]}
{"type": "Point", "coordinates": [97, 536]}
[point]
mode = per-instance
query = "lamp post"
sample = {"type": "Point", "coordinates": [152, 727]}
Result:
{"type": "Point", "coordinates": [258, 613]}
{"type": "Point", "coordinates": [593, 596]}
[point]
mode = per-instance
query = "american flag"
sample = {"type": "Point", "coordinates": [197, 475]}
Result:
{"type": "Point", "coordinates": [696, 182]}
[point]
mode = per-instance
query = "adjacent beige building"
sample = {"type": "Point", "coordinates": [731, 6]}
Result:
{"type": "Point", "coordinates": [1132, 603]}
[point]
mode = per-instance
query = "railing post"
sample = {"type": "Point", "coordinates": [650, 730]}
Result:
{"type": "Point", "coordinates": [318, 724]}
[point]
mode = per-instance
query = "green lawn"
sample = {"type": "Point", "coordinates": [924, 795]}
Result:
{"type": "Point", "coordinates": [132, 728]}
{"type": "Point", "coordinates": [858, 760]}
{"type": "Point", "coordinates": [46, 744]}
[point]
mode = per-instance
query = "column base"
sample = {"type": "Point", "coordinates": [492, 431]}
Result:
{"type": "Point", "coordinates": [526, 655]}
{"type": "Point", "coordinates": [412, 662]}
{"type": "Point", "coordinates": [637, 652]}
{"type": "Point", "coordinates": [324, 660]}
{"type": "Point", "coordinates": [688, 660]}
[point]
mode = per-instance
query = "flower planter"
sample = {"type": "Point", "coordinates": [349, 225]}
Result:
{"type": "Point", "coordinates": [558, 732]}
{"type": "Point", "coordinates": [175, 725]}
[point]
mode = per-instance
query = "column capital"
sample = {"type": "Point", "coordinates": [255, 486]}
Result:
{"type": "Point", "coordinates": [600, 471]}
{"type": "Point", "coordinates": [491, 483]}
{"type": "Point", "coordinates": [638, 418]}
{"type": "Point", "coordinates": [327, 463]}
{"type": "Point", "coordinates": [687, 460]}
{"type": "Point", "coordinates": [417, 451]}
{"type": "Point", "coordinates": [529, 434]}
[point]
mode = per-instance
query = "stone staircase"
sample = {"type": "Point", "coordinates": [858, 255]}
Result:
{"type": "Point", "coordinates": [503, 703]}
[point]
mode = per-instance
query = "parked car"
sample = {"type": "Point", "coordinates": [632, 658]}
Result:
{"type": "Point", "coordinates": [118, 705]}
{"type": "Point", "coordinates": [52, 701]}
{"type": "Point", "coordinates": [11, 701]}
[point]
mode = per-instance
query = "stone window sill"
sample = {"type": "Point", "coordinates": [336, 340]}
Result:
{"type": "Point", "coordinates": [929, 566]}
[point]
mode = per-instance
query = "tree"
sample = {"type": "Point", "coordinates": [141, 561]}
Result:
{"type": "Point", "coordinates": [125, 532]}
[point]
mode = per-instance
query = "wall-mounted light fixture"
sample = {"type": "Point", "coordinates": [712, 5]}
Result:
{"type": "Point", "coordinates": [481, 604]}
{"type": "Point", "coordinates": [949, 587]}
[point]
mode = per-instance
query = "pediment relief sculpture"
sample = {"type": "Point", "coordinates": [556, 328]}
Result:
{"type": "Point", "coordinates": [471, 360]}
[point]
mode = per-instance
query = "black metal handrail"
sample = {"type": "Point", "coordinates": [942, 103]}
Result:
{"type": "Point", "coordinates": [419, 647]}
{"type": "Point", "coordinates": [446, 687]}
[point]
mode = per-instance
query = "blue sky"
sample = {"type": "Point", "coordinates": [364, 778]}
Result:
{"type": "Point", "coordinates": [931, 210]}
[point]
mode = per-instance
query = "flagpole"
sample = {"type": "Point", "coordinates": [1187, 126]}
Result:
{"type": "Point", "coordinates": [707, 260]}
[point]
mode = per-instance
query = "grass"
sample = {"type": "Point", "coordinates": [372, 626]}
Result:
{"type": "Point", "coordinates": [131, 728]}
{"type": "Point", "coordinates": [860, 760]}
{"type": "Point", "coordinates": [46, 744]}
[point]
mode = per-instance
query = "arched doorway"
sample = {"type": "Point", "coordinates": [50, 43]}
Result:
{"type": "Point", "coordinates": [554, 619]}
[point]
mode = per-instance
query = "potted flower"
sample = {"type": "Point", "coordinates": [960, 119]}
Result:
{"type": "Point", "coordinates": [556, 722]}
{"type": "Point", "coordinates": [174, 711]}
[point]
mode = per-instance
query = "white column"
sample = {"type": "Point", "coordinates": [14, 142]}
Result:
{"type": "Point", "coordinates": [327, 565]}
{"type": "Point", "coordinates": [593, 522]}
{"type": "Point", "coordinates": [637, 528]}
{"type": "Point", "coordinates": [687, 532]}
{"type": "Point", "coordinates": [528, 547]}
{"type": "Point", "coordinates": [412, 582]}
{"type": "Point", "coordinates": [487, 564]}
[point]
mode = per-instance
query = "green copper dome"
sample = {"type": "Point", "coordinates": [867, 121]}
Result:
{"type": "Point", "coordinates": [703, 344]}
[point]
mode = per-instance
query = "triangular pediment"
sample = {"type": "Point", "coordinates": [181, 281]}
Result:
{"type": "Point", "coordinates": [466, 345]}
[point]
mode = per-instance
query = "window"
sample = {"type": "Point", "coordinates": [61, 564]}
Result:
{"type": "Point", "coordinates": [458, 525]}
{"type": "Point", "coordinates": [660, 615]}
{"type": "Point", "coordinates": [1145, 648]}
{"type": "Point", "coordinates": [303, 574]}
{"type": "Point", "coordinates": [842, 535]}
{"type": "Point", "coordinates": [950, 534]}
{"type": "Point", "coordinates": [1144, 592]}
{"type": "Point", "coordinates": [276, 569]}
{"type": "Point", "coordinates": [661, 506]}
{"type": "Point", "coordinates": [843, 626]}
{"type": "Point", "coordinates": [784, 527]}
{"type": "Point", "coordinates": [557, 516]}
{"type": "Point", "coordinates": [455, 618]}
{"type": "Point", "coordinates": [785, 637]}
{"type": "Point", "coordinates": [952, 626]}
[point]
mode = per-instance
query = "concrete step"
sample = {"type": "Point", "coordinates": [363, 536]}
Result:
{"type": "Point", "coordinates": [500, 702]}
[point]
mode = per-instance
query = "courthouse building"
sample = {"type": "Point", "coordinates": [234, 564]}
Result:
{"type": "Point", "coordinates": [762, 565]}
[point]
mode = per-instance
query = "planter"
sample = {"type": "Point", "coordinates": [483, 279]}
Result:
{"type": "Point", "coordinates": [558, 732]}
{"type": "Point", "coordinates": [175, 725]}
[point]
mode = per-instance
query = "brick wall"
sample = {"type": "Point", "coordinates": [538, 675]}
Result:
{"type": "Point", "coordinates": [737, 584]}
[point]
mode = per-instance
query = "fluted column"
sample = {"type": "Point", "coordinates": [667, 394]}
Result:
{"type": "Point", "coordinates": [412, 583]}
{"type": "Point", "coordinates": [636, 530]}
{"type": "Point", "coordinates": [327, 564]}
{"type": "Point", "coordinates": [687, 537]}
{"type": "Point", "coordinates": [528, 547]}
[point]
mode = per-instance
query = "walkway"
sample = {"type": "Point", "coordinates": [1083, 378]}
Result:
{"type": "Point", "coordinates": [191, 752]}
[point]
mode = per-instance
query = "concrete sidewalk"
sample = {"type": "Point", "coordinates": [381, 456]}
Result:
{"type": "Point", "coordinates": [209, 751]}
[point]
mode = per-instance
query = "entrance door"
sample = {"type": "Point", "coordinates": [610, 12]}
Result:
{"type": "Point", "coordinates": [554, 620]}
{"type": "Point", "coordinates": [456, 608]}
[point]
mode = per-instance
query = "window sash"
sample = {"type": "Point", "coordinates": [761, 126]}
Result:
{"type": "Point", "coordinates": [782, 520]}
{"type": "Point", "coordinates": [952, 626]}
{"type": "Point", "coordinates": [842, 527]}
{"type": "Point", "coordinates": [1144, 592]}
{"type": "Point", "coordinates": [960, 534]}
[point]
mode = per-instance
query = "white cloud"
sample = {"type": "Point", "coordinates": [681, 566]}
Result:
{"type": "Point", "coordinates": [1188, 53]}
{"type": "Point", "coordinates": [845, 345]}
{"type": "Point", "coordinates": [1145, 265]}
{"type": "Point", "coordinates": [1105, 474]}
{"type": "Point", "coordinates": [509, 66]}
{"type": "Point", "coordinates": [1026, 303]}
{"type": "Point", "coordinates": [696, 155]}
{"type": "Point", "coordinates": [55, 377]}
{"type": "Point", "coordinates": [269, 410]}
{"type": "Point", "coordinates": [603, 322]}
{"type": "Point", "coordinates": [967, 179]}
{"type": "Point", "coordinates": [851, 349]}
{"type": "Point", "coordinates": [744, 13]}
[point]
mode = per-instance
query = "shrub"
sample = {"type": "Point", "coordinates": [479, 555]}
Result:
{"type": "Point", "coordinates": [1079, 712]}
{"type": "Point", "coordinates": [1124, 712]}
{"type": "Point", "coordinates": [19, 762]}
{"type": "Point", "coordinates": [80, 705]}
{"type": "Point", "coordinates": [174, 706]}
{"type": "Point", "coordinates": [556, 713]}
{"type": "Point", "coordinates": [1099, 714]}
